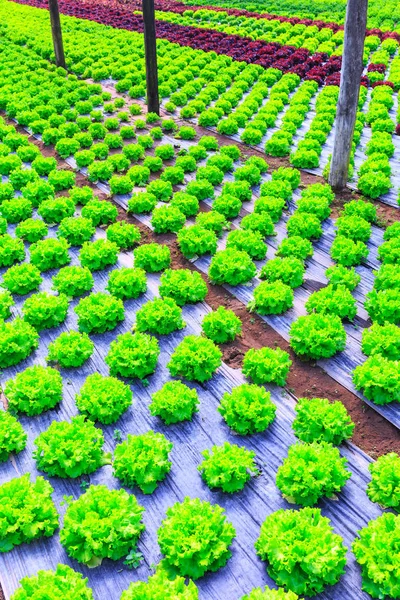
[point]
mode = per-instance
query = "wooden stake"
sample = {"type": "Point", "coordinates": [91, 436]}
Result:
{"type": "Point", "coordinates": [153, 102]}
{"type": "Point", "coordinates": [57, 33]}
{"type": "Point", "coordinates": [352, 67]}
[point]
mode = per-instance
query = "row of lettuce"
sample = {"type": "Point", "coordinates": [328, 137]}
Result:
{"type": "Point", "coordinates": [385, 16]}
{"type": "Point", "coordinates": [234, 98]}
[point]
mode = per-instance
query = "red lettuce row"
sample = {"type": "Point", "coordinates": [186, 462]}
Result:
{"type": "Point", "coordinates": [285, 58]}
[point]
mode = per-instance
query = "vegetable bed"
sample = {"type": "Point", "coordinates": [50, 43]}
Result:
{"type": "Point", "coordinates": [246, 512]}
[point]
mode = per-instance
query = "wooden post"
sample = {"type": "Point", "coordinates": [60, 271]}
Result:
{"type": "Point", "coordinates": [352, 67]}
{"type": "Point", "coordinates": [57, 33]}
{"type": "Point", "coordinates": [153, 102]}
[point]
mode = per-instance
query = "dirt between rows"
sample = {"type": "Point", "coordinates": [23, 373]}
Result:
{"type": "Point", "coordinates": [373, 433]}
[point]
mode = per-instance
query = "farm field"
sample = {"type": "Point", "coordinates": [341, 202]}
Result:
{"type": "Point", "coordinates": [199, 339]}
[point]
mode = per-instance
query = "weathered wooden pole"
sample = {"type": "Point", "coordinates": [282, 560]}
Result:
{"type": "Point", "coordinates": [352, 67]}
{"type": "Point", "coordinates": [153, 102]}
{"type": "Point", "coordinates": [57, 33]}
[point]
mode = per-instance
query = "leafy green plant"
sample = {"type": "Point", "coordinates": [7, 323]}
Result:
{"type": "Point", "coordinates": [393, 231]}
{"type": "Point", "coordinates": [16, 210]}
{"type": "Point", "coordinates": [165, 151]}
{"type": "Point", "coordinates": [6, 302]}
{"type": "Point", "coordinates": [228, 467]}
{"type": "Point", "coordinates": [375, 551]}
{"type": "Point", "coordinates": [61, 179]}
{"type": "Point", "coordinates": [133, 356]}
{"type": "Point", "coordinates": [332, 300]}
{"type": "Point", "coordinates": [201, 189]}
{"type": "Point", "coordinates": [167, 219]}
{"type": "Point", "coordinates": [100, 212]}
{"type": "Point", "coordinates": [121, 519]}
{"type": "Point", "coordinates": [271, 205]}
{"type": "Point", "coordinates": [22, 503]}
{"type": "Point", "coordinates": [389, 252]}
{"type": "Point", "coordinates": [99, 254]}
{"type": "Point", "coordinates": [310, 472]}
{"type": "Point", "coordinates": [81, 195]}
{"type": "Point", "coordinates": [125, 235]}
{"type": "Point", "coordinates": [248, 241]}
{"type": "Point", "coordinates": [196, 240]}
{"type": "Point", "coordinates": [76, 230]}
{"type": "Point", "coordinates": [354, 227]}
{"type": "Point", "coordinates": [174, 402]}
{"type": "Point", "coordinates": [213, 221]}
{"type": "Point", "coordinates": [141, 202]}
{"type": "Point", "coordinates": [266, 365]}
{"type": "Point", "coordinates": [50, 254]}
{"type": "Point", "coordinates": [158, 587]}
{"type": "Point", "coordinates": [195, 538]}
{"type": "Point", "coordinates": [159, 316]}
{"type": "Point", "coordinates": [271, 298]}
{"type": "Point", "coordinates": [314, 205]}
{"type": "Point", "coordinates": [304, 538]}
{"type": "Point", "coordinates": [162, 190]}
{"type": "Point", "coordinates": [295, 246]}
{"type": "Point", "coordinates": [187, 204]}
{"type": "Point", "coordinates": [383, 306]}
{"type": "Point", "coordinates": [143, 461]}
{"type": "Point", "coordinates": [34, 390]}
{"type": "Point", "coordinates": [12, 436]}
{"type": "Point", "coordinates": [317, 336]}
{"type": "Point", "coordinates": [388, 277]}
{"type": "Point", "coordinates": [227, 205]}
{"type": "Point", "coordinates": [384, 487]}
{"type": "Point", "coordinates": [60, 583]}
{"type": "Point", "coordinates": [221, 325]}
{"type": "Point", "coordinates": [258, 223]}
{"type": "Point", "coordinates": [379, 379]}
{"type": "Point", "coordinates": [18, 339]}
{"type": "Point", "coordinates": [339, 276]}
{"type": "Point", "coordinates": [103, 399]}
{"type": "Point", "coordinates": [183, 285]}
{"type": "Point", "coordinates": [99, 312]}
{"type": "Point", "coordinates": [31, 230]}
{"type": "Point", "coordinates": [247, 409]}
{"type": "Point", "coordinates": [304, 225]}
{"type": "Point", "coordinates": [70, 349]}
{"type": "Point", "coordinates": [73, 281]}
{"type": "Point", "coordinates": [127, 283]}
{"type": "Point", "coordinates": [195, 359]}
{"type": "Point", "coordinates": [175, 175]}
{"type": "Point", "coordinates": [38, 191]}
{"type": "Point", "coordinates": [70, 449]}
{"type": "Point", "coordinates": [319, 420]}
{"type": "Point", "coordinates": [138, 175]}
{"type": "Point", "coordinates": [152, 257]}
{"type": "Point", "coordinates": [56, 209]}
{"type": "Point", "coordinates": [11, 250]}
{"type": "Point", "coordinates": [231, 266]}
{"type": "Point", "coordinates": [383, 340]}
{"type": "Point", "coordinates": [43, 310]}
{"type": "Point", "coordinates": [289, 270]}
{"type": "Point", "coordinates": [374, 184]}
{"type": "Point", "coordinates": [359, 208]}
